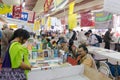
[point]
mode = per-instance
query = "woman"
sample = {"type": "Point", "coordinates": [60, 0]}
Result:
{"type": "Point", "coordinates": [19, 54]}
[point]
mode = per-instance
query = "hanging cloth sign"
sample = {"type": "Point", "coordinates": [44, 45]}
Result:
{"type": "Point", "coordinates": [71, 7]}
{"type": "Point", "coordinates": [17, 10]}
{"type": "Point", "coordinates": [72, 21]}
{"type": "Point", "coordinates": [4, 9]}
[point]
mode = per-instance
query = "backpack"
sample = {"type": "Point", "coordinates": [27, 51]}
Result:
{"type": "Point", "coordinates": [99, 38]}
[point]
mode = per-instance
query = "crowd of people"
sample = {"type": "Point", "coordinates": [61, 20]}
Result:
{"type": "Point", "coordinates": [74, 43]}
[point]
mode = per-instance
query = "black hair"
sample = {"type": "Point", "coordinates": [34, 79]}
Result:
{"type": "Point", "coordinates": [20, 33]}
{"type": "Point", "coordinates": [90, 31]}
{"type": "Point", "coordinates": [84, 47]}
{"type": "Point", "coordinates": [86, 33]}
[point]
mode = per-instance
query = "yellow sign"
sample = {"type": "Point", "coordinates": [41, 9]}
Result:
{"type": "Point", "coordinates": [49, 22]}
{"type": "Point", "coordinates": [72, 21]}
{"type": "Point", "coordinates": [71, 7]}
{"type": "Point", "coordinates": [4, 9]}
{"type": "Point", "coordinates": [12, 26]}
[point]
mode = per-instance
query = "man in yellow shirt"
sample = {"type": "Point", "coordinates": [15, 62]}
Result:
{"type": "Point", "coordinates": [84, 58]}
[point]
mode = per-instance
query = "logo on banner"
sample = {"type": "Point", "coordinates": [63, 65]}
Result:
{"type": "Point", "coordinates": [24, 16]}
{"type": "Point", "coordinates": [17, 11]}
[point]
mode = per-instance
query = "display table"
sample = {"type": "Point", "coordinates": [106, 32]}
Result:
{"type": "Point", "coordinates": [101, 53]}
{"type": "Point", "coordinates": [64, 73]}
{"type": "Point", "coordinates": [79, 72]}
{"type": "Point", "coordinates": [46, 64]}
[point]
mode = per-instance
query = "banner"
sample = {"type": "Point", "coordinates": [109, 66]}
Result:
{"type": "Point", "coordinates": [36, 25]}
{"type": "Point", "coordinates": [112, 6]}
{"type": "Point", "coordinates": [31, 17]}
{"type": "Point", "coordinates": [103, 20]}
{"type": "Point", "coordinates": [86, 20]}
{"type": "Point", "coordinates": [47, 5]}
{"type": "Point", "coordinates": [49, 22]}
{"type": "Point", "coordinates": [71, 7]}
{"type": "Point", "coordinates": [4, 9]}
{"type": "Point", "coordinates": [72, 21]}
{"type": "Point", "coordinates": [17, 11]}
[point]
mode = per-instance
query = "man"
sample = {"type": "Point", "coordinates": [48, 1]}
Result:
{"type": "Point", "coordinates": [84, 58]}
{"type": "Point", "coordinates": [6, 35]}
{"type": "Point", "coordinates": [107, 38]}
{"type": "Point", "coordinates": [93, 41]}
{"type": "Point", "coordinates": [71, 36]}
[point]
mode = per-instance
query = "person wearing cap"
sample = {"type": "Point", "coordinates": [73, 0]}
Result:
{"type": "Point", "coordinates": [6, 35]}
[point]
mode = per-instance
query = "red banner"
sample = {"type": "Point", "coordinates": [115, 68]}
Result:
{"type": "Point", "coordinates": [86, 20]}
{"type": "Point", "coordinates": [17, 10]}
{"type": "Point", "coordinates": [47, 5]}
{"type": "Point", "coordinates": [31, 17]}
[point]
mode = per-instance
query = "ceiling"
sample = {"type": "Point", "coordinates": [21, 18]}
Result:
{"type": "Point", "coordinates": [80, 6]}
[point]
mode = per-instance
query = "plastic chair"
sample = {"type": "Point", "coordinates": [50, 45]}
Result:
{"type": "Point", "coordinates": [104, 68]}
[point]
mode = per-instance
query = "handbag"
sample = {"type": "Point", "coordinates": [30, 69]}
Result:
{"type": "Point", "coordinates": [8, 73]}
{"type": "Point", "coordinates": [118, 45]}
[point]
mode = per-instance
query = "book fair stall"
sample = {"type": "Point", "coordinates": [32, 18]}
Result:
{"type": "Point", "coordinates": [59, 40]}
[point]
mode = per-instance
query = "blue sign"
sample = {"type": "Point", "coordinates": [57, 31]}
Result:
{"type": "Point", "coordinates": [9, 15]}
{"type": "Point", "coordinates": [24, 16]}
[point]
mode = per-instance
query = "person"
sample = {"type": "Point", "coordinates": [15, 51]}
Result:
{"type": "Point", "coordinates": [18, 54]}
{"type": "Point", "coordinates": [48, 43]}
{"type": "Point", "coordinates": [107, 38]}
{"type": "Point", "coordinates": [63, 46]}
{"type": "Point", "coordinates": [93, 41]}
{"type": "Point", "coordinates": [6, 35]}
{"type": "Point", "coordinates": [83, 57]}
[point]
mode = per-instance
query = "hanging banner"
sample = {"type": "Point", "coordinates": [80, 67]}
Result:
{"type": "Point", "coordinates": [36, 25]}
{"type": "Point", "coordinates": [112, 6]}
{"type": "Point", "coordinates": [49, 22]}
{"type": "Point", "coordinates": [47, 5]}
{"type": "Point", "coordinates": [31, 17]}
{"type": "Point", "coordinates": [4, 9]}
{"type": "Point", "coordinates": [72, 21]}
{"type": "Point", "coordinates": [17, 10]}
{"type": "Point", "coordinates": [71, 7]}
{"type": "Point", "coordinates": [103, 20]}
{"type": "Point", "coordinates": [86, 20]}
